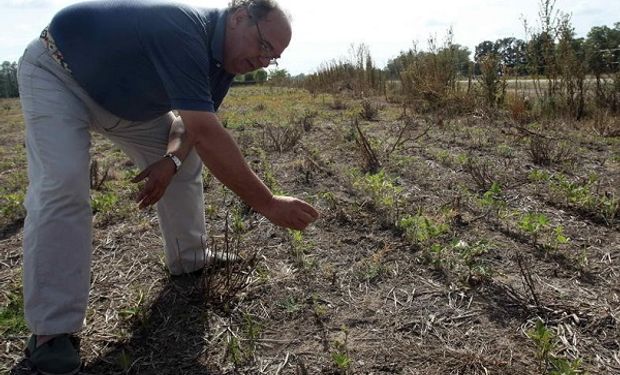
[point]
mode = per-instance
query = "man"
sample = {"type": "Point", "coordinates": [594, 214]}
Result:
{"type": "Point", "coordinates": [120, 67]}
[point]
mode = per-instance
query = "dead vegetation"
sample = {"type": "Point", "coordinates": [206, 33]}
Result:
{"type": "Point", "coordinates": [444, 247]}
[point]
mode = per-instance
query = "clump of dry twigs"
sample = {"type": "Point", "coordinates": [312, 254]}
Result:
{"type": "Point", "coordinates": [280, 138]}
{"type": "Point", "coordinates": [229, 272]}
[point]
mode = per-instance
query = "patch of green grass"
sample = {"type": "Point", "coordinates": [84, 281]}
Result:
{"type": "Point", "coordinates": [12, 315]}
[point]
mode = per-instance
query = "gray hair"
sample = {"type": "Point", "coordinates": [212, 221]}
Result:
{"type": "Point", "coordinates": [258, 9]}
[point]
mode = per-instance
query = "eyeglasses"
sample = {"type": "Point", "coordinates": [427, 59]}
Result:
{"type": "Point", "coordinates": [265, 46]}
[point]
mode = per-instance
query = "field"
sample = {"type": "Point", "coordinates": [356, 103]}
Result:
{"type": "Point", "coordinates": [465, 245]}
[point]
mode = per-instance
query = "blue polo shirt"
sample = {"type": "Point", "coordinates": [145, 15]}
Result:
{"type": "Point", "coordinates": [139, 59]}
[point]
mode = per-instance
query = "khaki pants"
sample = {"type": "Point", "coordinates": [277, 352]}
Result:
{"type": "Point", "coordinates": [59, 116]}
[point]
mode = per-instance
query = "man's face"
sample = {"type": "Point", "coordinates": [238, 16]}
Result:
{"type": "Point", "coordinates": [251, 44]}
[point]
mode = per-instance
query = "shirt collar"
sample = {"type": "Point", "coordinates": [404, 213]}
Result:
{"type": "Point", "coordinates": [217, 41]}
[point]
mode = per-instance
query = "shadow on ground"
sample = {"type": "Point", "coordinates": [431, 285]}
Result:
{"type": "Point", "coordinates": [166, 338]}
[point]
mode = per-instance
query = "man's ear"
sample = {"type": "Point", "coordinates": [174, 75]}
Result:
{"type": "Point", "coordinates": [239, 17]}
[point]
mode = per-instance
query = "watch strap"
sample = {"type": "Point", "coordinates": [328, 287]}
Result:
{"type": "Point", "coordinates": [177, 162]}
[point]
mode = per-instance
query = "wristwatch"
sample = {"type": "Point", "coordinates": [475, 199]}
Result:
{"type": "Point", "coordinates": [177, 162]}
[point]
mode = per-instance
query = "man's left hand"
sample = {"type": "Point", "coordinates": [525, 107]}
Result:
{"type": "Point", "coordinates": [158, 175]}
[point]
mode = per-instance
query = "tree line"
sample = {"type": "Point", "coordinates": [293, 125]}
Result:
{"type": "Point", "coordinates": [8, 80]}
{"type": "Point", "coordinates": [599, 51]}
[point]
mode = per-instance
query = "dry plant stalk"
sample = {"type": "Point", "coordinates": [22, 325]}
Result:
{"type": "Point", "coordinates": [97, 180]}
{"type": "Point", "coordinates": [481, 174]}
{"type": "Point", "coordinates": [369, 156]}
{"type": "Point", "coordinates": [281, 138]}
{"type": "Point", "coordinates": [404, 135]}
{"type": "Point", "coordinates": [527, 278]}
{"type": "Point", "coordinates": [224, 280]}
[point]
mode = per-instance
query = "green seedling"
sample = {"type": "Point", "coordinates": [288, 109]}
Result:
{"type": "Point", "coordinates": [340, 355]}
{"type": "Point", "coordinates": [104, 202]}
{"type": "Point", "coordinates": [533, 224]}
{"type": "Point", "coordinates": [419, 228]}
{"type": "Point", "coordinates": [550, 363]}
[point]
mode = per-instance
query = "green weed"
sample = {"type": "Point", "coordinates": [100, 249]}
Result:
{"type": "Point", "coordinates": [299, 247]}
{"type": "Point", "coordinates": [11, 205]}
{"type": "Point", "coordinates": [470, 256]}
{"type": "Point", "coordinates": [550, 363]}
{"type": "Point", "coordinates": [104, 202]}
{"type": "Point", "coordinates": [291, 305]}
{"type": "Point", "coordinates": [340, 354]}
{"type": "Point", "coordinates": [124, 360]}
{"type": "Point", "coordinates": [533, 223]}
{"type": "Point", "coordinates": [12, 315]}
{"type": "Point", "coordinates": [419, 228]}
{"type": "Point", "coordinates": [383, 192]}
{"type": "Point", "coordinates": [584, 196]}
{"type": "Point", "coordinates": [233, 350]}
{"type": "Point", "coordinates": [539, 175]}
{"type": "Point", "coordinates": [252, 331]}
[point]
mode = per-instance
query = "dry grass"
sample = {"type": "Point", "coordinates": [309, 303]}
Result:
{"type": "Point", "coordinates": [352, 284]}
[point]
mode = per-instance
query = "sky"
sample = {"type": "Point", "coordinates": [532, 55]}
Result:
{"type": "Point", "coordinates": [325, 30]}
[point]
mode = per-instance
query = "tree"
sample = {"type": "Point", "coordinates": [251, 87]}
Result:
{"type": "Point", "coordinates": [260, 75]}
{"type": "Point", "coordinates": [485, 49]}
{"type": "Point", "coordinates": [603, 49]}
{"type": "Point", "coordinates": [8, 80]}
{"type": "Point", "coordinates": [248, 77]}
{"type": "Point", "coordinates": [602, 54]}
{"type": "Point", "coordinates": [279, 77]}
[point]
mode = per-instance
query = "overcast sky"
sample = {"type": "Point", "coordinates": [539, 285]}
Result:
{"type": "Point", "coordinates": [324, 30]}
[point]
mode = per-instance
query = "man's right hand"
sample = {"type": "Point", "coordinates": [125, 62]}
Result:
{"type": "Point", "coordinates": [290, 212]}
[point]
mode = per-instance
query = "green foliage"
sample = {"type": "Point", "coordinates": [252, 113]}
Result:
{"type": "Point", "coordinates": [491, 82]}
{"type": "Point", "coordinates": [470, 256]}
{"type": "Point", "coordinates": [371, 269]}
{"type": "Point", "coordinates": [137, 309]}
{"type": "Point", "coordinates": [551, 363]}
{"type": "Point", "coordinates": [463, 259]}
{"type": "Point", "coordinates": [537, 226]}
{"type": "Point", "coordinates": [279, 77]}
{"type": "Point", "coordinates": [103, 202]}
{"type": "Point", "coordinates": [340, 354]}
{"type": "Point", "coordinates": [124, 360]}
{"type": "Point", "coordinates": [533, 223]}
{"type": "Point", "coordinates": [299, 246]}
{"type": "Point", "coordinates": [260, 75]}
{"type": "Point", "coordinates": [233, 350]}
{"type": "Point", "coordinates": [8, 80]}
{"type": "Point", "coordinates": [11, 205]}
{"type": "Point", "coordinates": [237, 222]}
{"type": "Point", "coordinates": [341, 360]}
{"type": "Point", "coordinates": [493, 199]}
{"type": "Point", "coordinates": [543, 339]}
{"type": "Point", "coordinates": [252, 331]}
{"type": "Point", "coordinates": [12, 315]}
{"type": "Point", "coordinates": [383, 191]}
{"type": "Point", "coordinates": [291, 305]}
{"type": "Point", "coordinates": [419, 228]}
{"type": "Point", "coordinates": [581, 195]}
{"type": "Point", "coordinates": [429, 78]}
{"type": "Point", "coordinates": [539, 175]}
